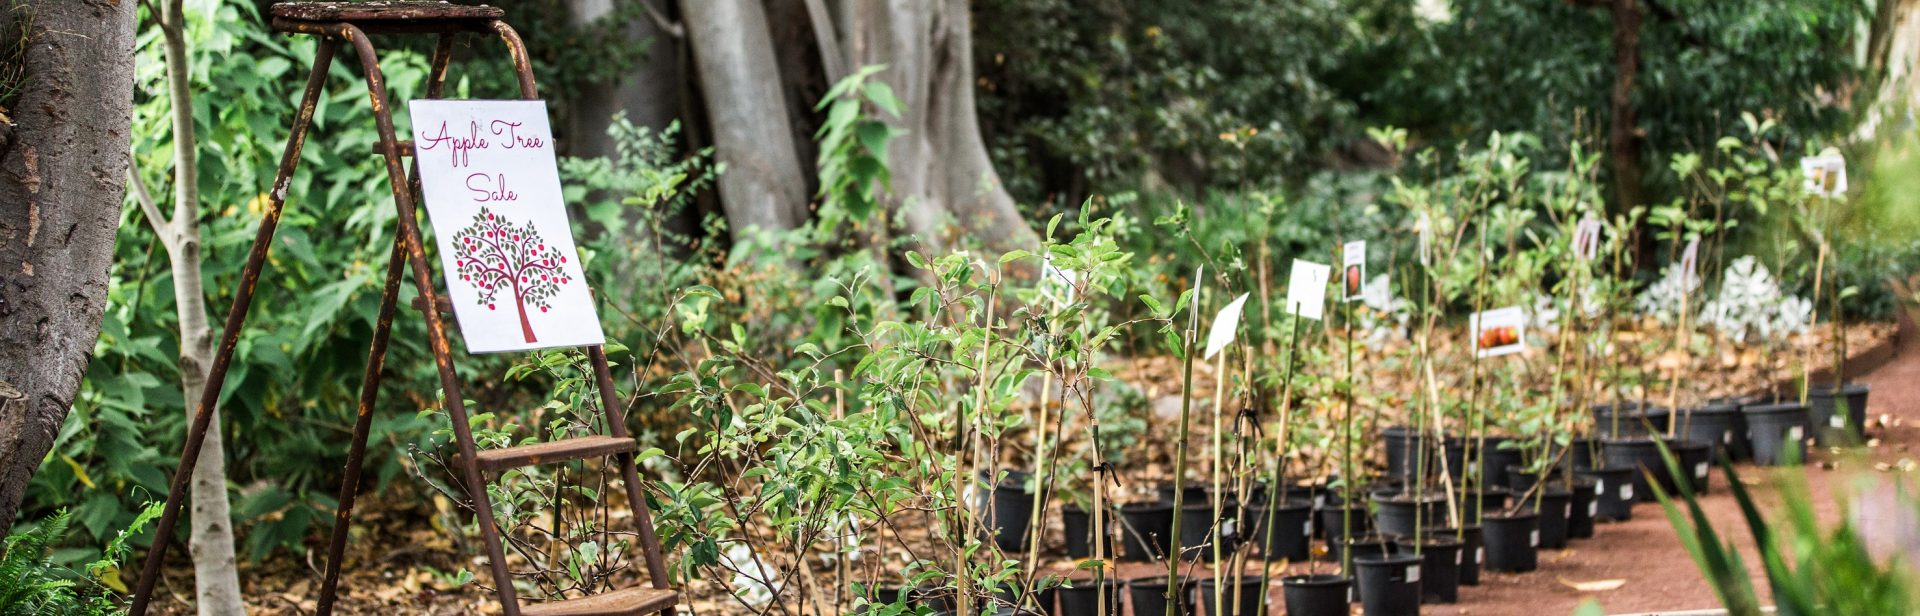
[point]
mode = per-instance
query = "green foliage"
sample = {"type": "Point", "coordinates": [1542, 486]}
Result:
{"type": "Point", "coordinates": [1810, 568]}
{"type": "Point", "coordinates": [853, 149]}
{"type": "Point", "coordinates": [32, 584]}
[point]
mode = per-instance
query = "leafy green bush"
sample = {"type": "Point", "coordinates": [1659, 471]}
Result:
{"type": "Point", "coordinates": [31, 584]}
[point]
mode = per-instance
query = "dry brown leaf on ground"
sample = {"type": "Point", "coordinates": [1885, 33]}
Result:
{"type": "Point", "coordinates": [1594, 586]}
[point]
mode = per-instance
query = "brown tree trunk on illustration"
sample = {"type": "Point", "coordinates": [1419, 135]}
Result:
{"type": "Point", "coordinates": [63, 163]}
{"type": "Point", "coordinates": [526, 327]}
{"type": "Point", "coordinates": [1623, 130]}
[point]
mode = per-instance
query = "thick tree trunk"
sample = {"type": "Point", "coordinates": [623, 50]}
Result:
{"type": "Point", "coordinates": [1623, 128]}
{"type": "Point", "coordinates": [210, 536]}
{"type": "Point", "coordinates": [944, 185]}
{"type": "Point", "coordinates": [764, 185]}
{"type": "Point", "coordinates": [650, 93]}
{"type": "Point", "coordinates": [1893, 49]}
{"type": "Point", "coordinates": [63, 165]}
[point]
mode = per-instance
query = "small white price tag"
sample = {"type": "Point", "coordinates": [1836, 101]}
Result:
{"type": "Point", "coordinates": [1306, 530]}
{"type": "Point", "coordinates": [1413, 574]}
{"type": "Point", "coordinates": [1626, 492]}
{"type": "Point", "coordinates": [1726, 437]}
{"type": "Point", "coordinates": [1479, 555]}
{"type": "Point", "coordinates": [1534, 539]}
{"type": "Point", "coordinates": [1796, 433]}
{"type": "Point", "coordinates": [1593, 509]}
{"type": "Point", "coordinates": [1457, 557]}
{"type": "Point", "coordinates": [1837, 421]}
{"type": "Point", "coordinates": [1700, 470]}
{"type": "Point", "coordinates": [1599, 486]}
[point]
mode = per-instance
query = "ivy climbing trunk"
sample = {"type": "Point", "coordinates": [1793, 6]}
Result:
{"type": "Point", "coordinates": [64, 138]}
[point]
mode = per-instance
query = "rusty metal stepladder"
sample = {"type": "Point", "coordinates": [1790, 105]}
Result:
{"type": "Point", "coordinates": [350, 23]}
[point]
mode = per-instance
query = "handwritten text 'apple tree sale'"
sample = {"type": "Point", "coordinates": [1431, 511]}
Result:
{"type": "Point", "coordinates": [485, 187]}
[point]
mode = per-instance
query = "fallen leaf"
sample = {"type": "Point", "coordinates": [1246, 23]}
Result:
{"type": "Point", "coordinates": [1594, 586]}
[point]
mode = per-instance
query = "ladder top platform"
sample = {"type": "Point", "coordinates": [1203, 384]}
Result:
{"type": "Point", "coordinates": [387, 15]}
{"type": "Point", "coordinates": [627, 602]}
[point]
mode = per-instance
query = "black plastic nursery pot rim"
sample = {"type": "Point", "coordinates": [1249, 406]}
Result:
{"type": "Point", "coordinates": [1512, 542]}
{"type": "Point", "coordinates": [1146, 530]}
{"type": "Point", "coordinates": [1149, 595]}
{"type": "Point", "coordinates": [1316, 594]}
{"type": "Point", "coordinates": [1718, 424]}
{"type": "Point", "coordinates": [1292, 534]}
{"type": "Point", "coordinates": [1472, 551]}
{"type": "Point", "coordinates": [1776, 430]}
{"type": "Point", "coordinates": [1830, 426]}
{"type": "Point", "coordinates": [1251, 591]}
{"type": "Point", "coordinates": [1082, 599]}
{"type": "Point", "coordinates": [1390, 584]}
{"type": "Point", "coordinates": [1077, 527]}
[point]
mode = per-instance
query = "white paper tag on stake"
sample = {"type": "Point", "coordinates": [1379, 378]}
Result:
{"type": "Point", "coordinates": [1413, 574]}
{"type": "Point", "coordinates": [1824, 175]}
{"type": "Point", "coordinates": [1423, 232]}
{"type": "Point", "coordinates": [1225, 325]}
{"type": "Point", "coordinates": [1353, 270]}
{"type": "Point", "coordinates": [1690, 262]}
{"type": "Point", "coordinates": [1497, 332]}
{"type": "Point", "coordinates": [1586, 238]}
{"type": "Point", "coordinates": [1307, 289]}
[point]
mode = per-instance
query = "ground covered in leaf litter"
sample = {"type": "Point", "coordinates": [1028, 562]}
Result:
{"type": "Point", "coordinates": [402, 557]}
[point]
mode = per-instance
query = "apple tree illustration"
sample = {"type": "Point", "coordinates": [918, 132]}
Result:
{"type": "Point", "coordinates": [493, 254]}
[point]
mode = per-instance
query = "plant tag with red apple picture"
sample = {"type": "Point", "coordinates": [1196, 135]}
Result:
{"type": "Point", "coordinates": [1353, 272]}
{"type": "Point", "coordinates": [1502, 331]}
{"type": "Point", "coordinates": [1824, 175]}
{"type": "Point", "coordinates": [1307, 289]}
{"type": "Point", "coordinates": [492, 193]}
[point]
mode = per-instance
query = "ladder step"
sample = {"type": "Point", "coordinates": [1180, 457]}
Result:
{"type": "Point", "coordinates": [445, 303]}
{"type": "Point", "coordinates": [554, 451]}
{"type": "Point", "coordinates": [627, 602]}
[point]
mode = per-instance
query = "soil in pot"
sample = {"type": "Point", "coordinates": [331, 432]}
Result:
{"type": "Point", "coordinates": [1629, 420]}
{"type": "Point", "coordinates": [1244, 598]}
{"type": "Point", "coordinates": [1439, 567]}
{"type": "Point", "coordinates": [1585, 506]}
{"type": "Point", "coordinates": [1197, 522]}
{"type": "Point", "coordinates": [1832, 426]}
{"type": "Point", "coordinates": [1696, 460]}
{"type": "Point", "coordinates": [1083, 599]}
{"type": "Point", "coordinates": [1146, 530]}
{"type": "Point", "coordinates": [1011, 512]}
{"type": "Point", "coordinates": [1554, 503]}
{"type": "Point", "coordinates": [1389, 585]}
{"type": "Point", "coordinates": [1613, 493]}
{"type": "Point", "coordinates": [1321, 594]}
{"type": "Point", "coordinates": [1149, 595]}
{"type": "Point", "coordinates": [1777, 432]}
{"type": "Point", "coordinates": [1473, 552]}
{"type": "Point", "coordinates": [1643, 457]}
{"type": "Point", "coordinates": [1399, 514]}
{"type": "Point", "coordinates": [1292, 530]}
{"type": "Point", "coordinates": [1078, 527]}
{"type": "Point", "coordinates": [1512, 542]}
{"type": "Point", "coordinates": [1716, 424]}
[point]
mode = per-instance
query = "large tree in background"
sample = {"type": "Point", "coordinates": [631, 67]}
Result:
{"type": "Point", "coordinates": [66, 102]}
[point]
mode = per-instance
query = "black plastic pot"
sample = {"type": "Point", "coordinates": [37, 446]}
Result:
{"type": "Point", "coordinates": [1696, 460]}
{"type": "Point", "coordinates": [1196, 522]}
{"type": "Point", "coordinates": [1494, 461]}
{"type": "Point", "coordinates": [1641, 455]}
{"type": "Point", "coordinates": [1389, 585]}
{"type": "Point", "coordinates": [1585, 507]}
{"type": "Point", "coordinates": [1473, 551]}
{"type": "Point", "coordinates": [1778, 432]}
{"type": "Point", "coordinates": [1439, 568]}
{"type": "Point", "coordinates": [1078, 527]}
{"type": "Point", "coordinates": [1403, 450]}
{"type": "Point", "coordinates": [1083, 599]}
{"type": "Point", "coordinates": [1146, 530]}
{"type": "Point", "coordinates": [1367, 546]}
{"type": "Point", "coordinates": [1292, 530]}
{"type": "Point", "coordinates": [1313, 595]}
{"type": "Point", "coordinates": [1830, 425]}
{"type": "Point", "coordinates": [1634, 419]}
{"type": "Point", "coordinates": [1474, 503]}
{"type": "Point", "coordinates": [1513, 542]}
{"type": "Point", "coordinates": [1196, 492]}
{"type": "Point", "coordinates": [1247, 598]}
{"type": "Point", "coordinates": [1583, 453]}
{"type": "Point", "coordinates": [1614, 493]}
{"type": "Point", "coordinates": [1519, 481]}
{"type": "Point", "coordinates": [1399, 514]}
{"type": "Point", "coordinates": [1554, 503]}
{"type": "Point", "coordinates": [1716, 424]}
{"type": "Point", "coordinates": [1149, 595]}
{"type": "Point", "coordinates": [1012, 511]}
{"type": "Point", "coordinates": [1740, 449]}
{"type": "Point", "coordinates": [1333, 521]}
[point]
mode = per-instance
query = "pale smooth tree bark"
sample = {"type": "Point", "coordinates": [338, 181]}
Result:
{"type": "Point", "coordinates": [210, 535]}
{"type": "Point", "coordinates": [1893, 50]}
{"type": "Point", "coordinates": [764, 185]}
{"type": "Point", "coordinates": [63, 164]}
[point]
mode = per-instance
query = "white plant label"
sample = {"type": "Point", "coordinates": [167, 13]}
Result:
{"type": "Point", "coordinates": [1726, 437]}
{"type": "Point", "coordinates": [1458, 557]}
{"type": "Point", "coordinates": [1225, 325]}
{"type": "Point", "coordinates": [1413, 574]}
{"type": "Point", "coordinates": [1837, 421]}
{"type": "Point", "coordinates": [1796, 433]}
{"type": "Point", "coordinates": [1626, 492]}
{"type": "Point", "coordinates": [1423, 232]}
{"type": "Point", "coordinates": [1824, 175]}
{"type": "Point", "coordinates": [1307, 289]}
{"type": "Point", "coordinates": [492, 191]}
{"type": "Point", "coordinates": [1353, 270]}
{"type": "Point", "coordinates": [1533, 540]}
{"type": "Point", "coordinates": [1306, 530]}
{"type": "Point", "coordinates": [1600, 486]}
{"type": "Point", "coordinates": [1586, 238]}
{"type": "Point", "coordinates": [1479, 555]}
{"type": "Point", "coordinates": [1690, 262]}
{"type": "Point", "coordinates": [1497, 332]}
{"type": "Point", "coordinates": [1593, 509]}
{"type": "Point", "coordinates": [1700, 470]}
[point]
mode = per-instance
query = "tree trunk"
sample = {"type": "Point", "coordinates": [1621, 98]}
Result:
{"type": "Point", "coordinates": [763, 185]}
{"type": "Point", "coordinates": [63, 165]}
{"type": "Point", "coordinates": [944, 185]}
{"type": "Point", "coordinates": [210, 536]}
{"type": "Point", "coordinates": [1623, 130]}
{"type": "Point", "coordinates": [649, 93]}
{"type": "Point", "coordinates": [1893, 48]}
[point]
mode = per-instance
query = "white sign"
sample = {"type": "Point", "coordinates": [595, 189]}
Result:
{"type": "Point", "coordinates": [1690, 262]}
{"type": "Point", "coordinates": [1307, 289]}
{"type": "Point", "coordinates": [1224, 326]}
{"type": "Point", "coordinates": [492, 192]}
{"type": "Point", "coordinates": [1586, 238]}
{"type": "Point", "coordinates": [1825, 175]}
{"type": "Point", "coordinates": [1423, 242]}
{"type": "Point", "coordinates": [1353, 271]}
{"type": "Point", "coordinates": [1497, 332]}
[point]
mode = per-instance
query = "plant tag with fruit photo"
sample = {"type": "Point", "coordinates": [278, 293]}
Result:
{"type": "Point", "coordinates": [492, 193]}
{"type": "Point", "coordinates": [1824, 175]}
{"type": "Point", "coordinates": [1353, 274]}
{"type": "Point", "coordinates": [1498, 332]}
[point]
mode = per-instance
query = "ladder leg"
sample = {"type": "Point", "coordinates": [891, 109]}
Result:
{"type": "Point", "coordinates": [436, 325]}
{"type": "Point", "coordinates": [230, 335]}
{"type": "Point", "coordinates": [370, 380]}
{"type": "Point", "coordinates": [617, 426]}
